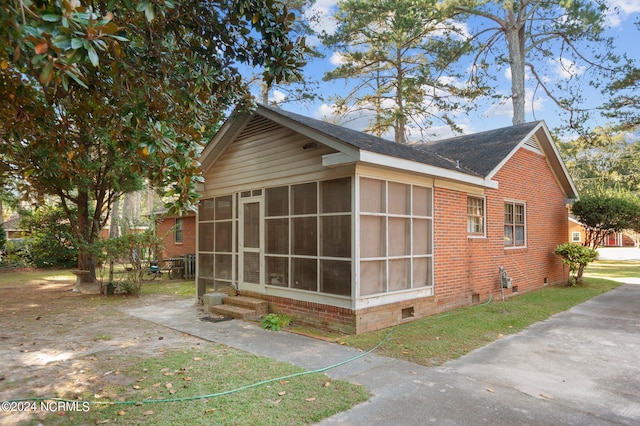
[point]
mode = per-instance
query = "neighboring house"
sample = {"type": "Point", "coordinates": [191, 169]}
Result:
{"type": "Point", "coordinates": [576, 231]}
{"type": "Point", "coordinates": [178, 234]}
{"type": "Point", "coordinates": [346, 231]}
{"type": "Point", "coordinates": [618, 239]}
{"type": "Point", "coordinates": [12, 228]}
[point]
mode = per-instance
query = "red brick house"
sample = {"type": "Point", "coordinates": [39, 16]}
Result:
{"type": "Point", "coordinates": [577, 235]}
{"type": "Point", "coordinates": [347, 231]}
{"type": "Point", "coordinates": [178, 235]}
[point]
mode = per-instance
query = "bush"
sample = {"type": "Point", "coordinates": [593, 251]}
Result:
{"type": "Point", "coordinates": [16, 254]}
{"type": "Point", "coordinates": [51, 242]}
{"type": "Point", "coordinates": [577, 257]}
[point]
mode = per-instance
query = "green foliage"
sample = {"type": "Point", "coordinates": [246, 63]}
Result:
{"type": "Point", "coordinates": [531, 39]}
{"type": "Point", "coordinates": [604, 159]}
{"type": "Point", "coordinates": [275, 322]}
{"type": "Point", "coordinates": [128, 254]}
{"type": "Point", "coordinates": [393, 51]}
{"type": "Point", "coordinates": [51, 241]}
{"type": "Point", "coordinates": [606, 212]}
{"type": "Point", "coordinates": [100, 96]}
{"type": "Point", "coordinates": [625, 105]}
{"type": "Point", "coordinates": [16, 255]}
{"type": "Point", "coordinates": [576, 256]}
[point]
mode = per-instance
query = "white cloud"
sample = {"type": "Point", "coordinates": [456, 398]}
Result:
{"type": "Point", "coordinates": [619, 10]}
{"type": "Point", "coordinates": [277, 97]}
{"type": "Point", "coordinates": [566, 68]}
{"type": "Point", "coordinates": [337, 58]}
{"type": "Point", "coordinates": [320, 16]}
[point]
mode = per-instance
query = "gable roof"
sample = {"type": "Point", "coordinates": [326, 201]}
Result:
{"type": "Point", "coordinates": [471, 158]}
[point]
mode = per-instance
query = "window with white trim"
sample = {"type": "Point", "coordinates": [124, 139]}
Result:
{"type": "Point", "coordinates": [514, 224]}
{"type": "Point", "coordinates": [576, 237]}
{"type": "Point", "coordinates": [475, 216]}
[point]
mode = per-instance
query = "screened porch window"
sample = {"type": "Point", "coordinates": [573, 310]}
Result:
{"type": "Point", "coordinates": [396, 236]}
{"type": "Point", "coordinates": [308, 236]}
{"type": "Point", "coordinates": [216, 243]}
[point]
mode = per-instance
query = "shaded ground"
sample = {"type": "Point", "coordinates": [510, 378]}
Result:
{"type": "Point", "coordinates": [55, 343]}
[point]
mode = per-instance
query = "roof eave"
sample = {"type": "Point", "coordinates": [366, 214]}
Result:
{"type": "Point", "coordinates": [553, 157]}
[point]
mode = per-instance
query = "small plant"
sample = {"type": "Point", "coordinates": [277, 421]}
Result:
{"type": "Point", "coordinates": [275, 322]}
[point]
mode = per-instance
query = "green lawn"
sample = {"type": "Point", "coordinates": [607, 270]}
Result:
{"type": "Point", "coordinates": [214, 384]}
{"type": "Point", "coordinates": [437, 339]}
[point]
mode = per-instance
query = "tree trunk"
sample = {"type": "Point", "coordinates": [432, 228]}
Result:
{"type": "Point", "coordinates": [114, 231]}
{"type": "Point", "coordinates": [86, 259]}
{"type": "Point", "coordinates": [579, 274]}
{"type": "Point", "coordinates": [514, 33]}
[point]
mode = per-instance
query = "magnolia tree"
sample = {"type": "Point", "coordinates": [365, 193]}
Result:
{"type": "Point", "coordinates": [100, 96]}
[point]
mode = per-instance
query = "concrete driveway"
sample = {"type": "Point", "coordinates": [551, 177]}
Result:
{"type": "Point", "coordinates": [580, 367]}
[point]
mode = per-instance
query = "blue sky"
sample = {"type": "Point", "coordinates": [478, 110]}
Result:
{"type": "Point", "coordinates": [489, 114]}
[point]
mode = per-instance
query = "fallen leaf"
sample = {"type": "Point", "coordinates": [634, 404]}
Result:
{"type": "Point", "coordinates": [168, 386]}
{"type": "Point", "coordinates": [164, 369]}
{"type": "Point", "coordinates": [141, 379]}
{"type": "Point", "coordinates": [277, 401]}
{"type": "Point", "coordinates": [282, 393]}
{"type": "Point", "coordinates": [121, 413]}
{"type": "Point", "coordinates": [168, 374]}
{"type": "Point", "coordinates": [310, 399]}
{"type": "Point", "coordinates": [546, 396]}
{"type": "Point", "coordinates": [136, 387]}
{"type": "Point", "coordinates": [405, 352]}
{"type": "Point", "coordinates": [156, 385]}
{"type": "Point", "coordinates": [187, 378]}
{"type": "Point", "coordinates": [283, 382]}
{"type": "Point", "coordinates": [197, 358]}
{"type": "Point", "coordinates": [209, 410]}
{"type": "Point", "coordinates": [490, 390]}
{"type": "Point", "coordinates": [172, 391]}
{"type": "Point", "coordinates": [148, 413]}
{"type": "Point", "coordinates": [326, 384]}
{"type": "Point", "coordinates": [101, 422]}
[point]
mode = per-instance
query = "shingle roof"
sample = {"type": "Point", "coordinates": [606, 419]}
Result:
{"type": "Point", "coordinates": [477, 154]}
{"type": "Point", "coordinates": [482, 152]}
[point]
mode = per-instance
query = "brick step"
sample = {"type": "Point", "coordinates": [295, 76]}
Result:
{"type": "Point", "coordinates": [235, 312]}
{"type": "Point", "coordinates": [261, 307]}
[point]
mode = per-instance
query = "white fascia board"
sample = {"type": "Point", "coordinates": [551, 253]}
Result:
{"type": "Point", "coordinates": [337, 159]}
{"type": "Point", "coordinates": [426, 169]}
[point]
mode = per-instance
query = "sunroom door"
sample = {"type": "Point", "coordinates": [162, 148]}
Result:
{"type": "Point", "coordinates": [250, 245]}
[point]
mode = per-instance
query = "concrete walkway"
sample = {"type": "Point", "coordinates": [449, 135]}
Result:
{"type": "Point", "coordinates": [579, 367]}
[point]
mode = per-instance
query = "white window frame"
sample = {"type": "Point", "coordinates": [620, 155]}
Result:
{"type": "Point", "coordinates": [576, 237]}
{"type": "Point", "coordinates": [482, 216]}
{"type": "Point", "coordinates": [514, 225]}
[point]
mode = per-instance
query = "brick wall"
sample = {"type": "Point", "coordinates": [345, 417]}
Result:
{"type": "Point", "coordinates": [467, 267]}
{"type": "Point", "coordinates": [171, 248]}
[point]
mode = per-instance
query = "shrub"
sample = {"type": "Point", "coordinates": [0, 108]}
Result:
{"type": "Point", "coordinates": [51, 241]}
{"type": "Point", "coordinates": [577, 257]}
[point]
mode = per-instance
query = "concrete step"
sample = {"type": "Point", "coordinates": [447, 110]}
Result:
{"type": "Point", "coordinates": [237, 312]}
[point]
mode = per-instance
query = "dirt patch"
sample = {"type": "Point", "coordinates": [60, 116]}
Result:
{"type": "Point", "coordinates": [56, 343]}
